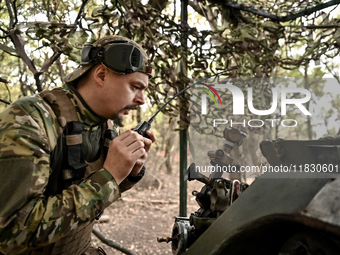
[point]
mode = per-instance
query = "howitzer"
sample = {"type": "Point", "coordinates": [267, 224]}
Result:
{"type": "Point", "coordinates": [214, 198]}
{"type": "Point", "coordinates": [293, 212]}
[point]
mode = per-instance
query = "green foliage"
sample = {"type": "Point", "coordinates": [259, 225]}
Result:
{"type": "Point", "coordinates": [47, 38]}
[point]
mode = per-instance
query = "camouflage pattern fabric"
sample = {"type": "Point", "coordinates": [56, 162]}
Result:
{"type": "Point", "coordinates": [28, 219]}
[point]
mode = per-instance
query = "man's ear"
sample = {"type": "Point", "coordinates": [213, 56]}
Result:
{"type": "Point", "coordinates": [99, 74]}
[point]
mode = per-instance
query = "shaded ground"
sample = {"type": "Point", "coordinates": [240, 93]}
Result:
{"type": "Point", "coordinates": [144, 213]}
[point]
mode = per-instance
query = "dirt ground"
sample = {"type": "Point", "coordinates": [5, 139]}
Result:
{"type": "Point", "coordinates": [144, 213]}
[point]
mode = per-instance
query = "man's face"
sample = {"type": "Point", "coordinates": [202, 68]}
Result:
{"type": "Point", "coordinates": [123, 93]}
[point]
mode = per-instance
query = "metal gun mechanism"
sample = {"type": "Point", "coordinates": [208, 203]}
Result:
{"type": "Point", "coordinates": [214, 198]}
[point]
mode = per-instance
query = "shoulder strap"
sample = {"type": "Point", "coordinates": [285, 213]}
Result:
{"type": "Point", "coordinates": [72, 129]}
{"type": "Point", "coordinates": [61, 105]}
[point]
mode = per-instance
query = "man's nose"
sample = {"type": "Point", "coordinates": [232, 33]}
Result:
{"type": "Point", "coordinates": [140, 99]}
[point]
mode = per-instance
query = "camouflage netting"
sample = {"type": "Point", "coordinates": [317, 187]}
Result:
{"type": "Point", "coordinates": [257, 37]}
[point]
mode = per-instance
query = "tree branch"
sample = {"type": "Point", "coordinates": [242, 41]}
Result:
{"type": "Point", "coordinates": [207, 13]}
{"type": "Point", "coordinates": [112, 243]}
{"type": "Point", "coordinates": [158, 5]}
{"type": "Point", "coordinates": [19, 45]}
{"type": "Point", "coordinates": [305, 12]}
{"type": "Point", "coordinates": [63, 32]}
{"type": "Point", "coordinates": [50, 61]}
{"type": "Point", "coordinates": [80, 13]}
{"type": "Point", "coordinates": [4, 80]}
{"type": "Point", "coordinates": [314, 26]}
{"type": "Point", "coordinates": [10, 14]}
{"type": "Point", "coordinates": [332, 72]}
{"type": "Point", "coordinates": [8, 90]}
{"type": "Point", "coordinates": [310, 10]}
{"type": "Point", "coordinates": [4, 101]}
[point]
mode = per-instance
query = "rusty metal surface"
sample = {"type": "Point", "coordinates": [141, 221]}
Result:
{"type": "Point", "coordinates": [266, 213]}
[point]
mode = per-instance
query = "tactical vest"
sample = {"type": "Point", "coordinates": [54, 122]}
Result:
{"type": "Point", "coordinates": [69, 166]}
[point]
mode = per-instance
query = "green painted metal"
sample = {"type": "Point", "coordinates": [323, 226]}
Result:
{"type": "Point", "coordinates": [183, 140]}
{"type": "Point", "coordinates": [183, 166]}
{"type": "Point", "coordinates": [265, 215]}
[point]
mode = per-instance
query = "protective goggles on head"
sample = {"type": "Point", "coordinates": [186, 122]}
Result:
{"type": "Point", "coordinates": [121, 57]}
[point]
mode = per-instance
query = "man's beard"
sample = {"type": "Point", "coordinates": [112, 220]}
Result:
{"type": "Point", "coordinates": [119, 120]}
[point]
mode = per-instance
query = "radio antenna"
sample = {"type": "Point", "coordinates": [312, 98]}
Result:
{"type": "Point", "coordinates": [144, 126]}
{"type": "Point", "coordinates": [181, 92]}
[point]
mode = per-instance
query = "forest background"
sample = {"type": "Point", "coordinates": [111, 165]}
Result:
{"type": "Point", "coordinates": [41, 40]}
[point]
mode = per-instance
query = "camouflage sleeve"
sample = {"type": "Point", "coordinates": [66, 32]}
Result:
{"type": "Point", "coordinates": [28, 219]}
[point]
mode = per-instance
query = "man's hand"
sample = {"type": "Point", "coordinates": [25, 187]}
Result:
{"type": "Point", "coordinates": [141, 161]}
{"type": "Point", "coordinates": [124, 151]}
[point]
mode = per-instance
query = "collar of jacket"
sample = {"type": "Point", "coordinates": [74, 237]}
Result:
{"type": "Point", "coordinates": [87, 115]}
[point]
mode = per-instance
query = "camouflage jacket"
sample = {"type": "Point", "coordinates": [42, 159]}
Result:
{"type": "Point", "coordinates": [28, 217]}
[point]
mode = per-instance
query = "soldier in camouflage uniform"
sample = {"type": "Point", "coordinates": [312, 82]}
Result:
{"type": "Point", "coordinates": [45, 209]}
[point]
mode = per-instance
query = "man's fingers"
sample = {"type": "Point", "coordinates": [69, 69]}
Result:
{"type": "Point", "coordinates": [124, 135]}
{"type": "Point", "coordinates": [134, 144]}
{"type": "Point", "coordinates": [152, 136]}
{"type": "Point", "coordinates": [137, 144]}
{"type": "Point", "coordinates": [139, 153]}
{"type": "Point", "coordinates": [147, 142]}
{"type": "Point", "coordinates": [130, 137]}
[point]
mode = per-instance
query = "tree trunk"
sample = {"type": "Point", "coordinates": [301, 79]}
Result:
{"type": "Point", "coordinates": [169, 145]}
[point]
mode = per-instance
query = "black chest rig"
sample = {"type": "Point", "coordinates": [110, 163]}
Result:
{"type": "Point", "coordinates": [79, 151]}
